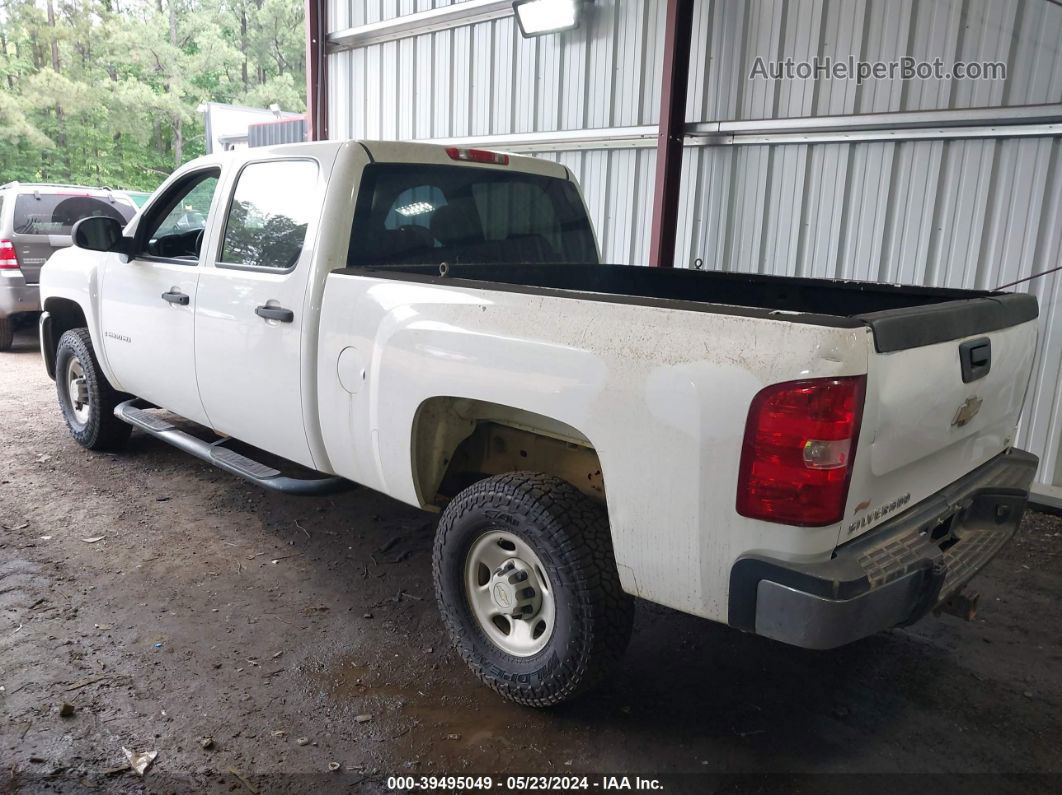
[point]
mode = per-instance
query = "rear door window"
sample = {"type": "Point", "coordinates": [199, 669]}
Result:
{"type": "Point", "coordinates": [427, 214]}
{"type": "Point", "coordinates": [56, 213]}
{"type": "Point", "coordinates": [270, 211]}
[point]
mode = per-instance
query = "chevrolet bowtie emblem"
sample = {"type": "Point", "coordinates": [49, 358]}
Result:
{"type": "Point", "coordinates": [967, 411]}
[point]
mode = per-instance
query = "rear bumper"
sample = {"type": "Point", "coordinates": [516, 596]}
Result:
{"type": "Point", "coordinates": [894, 574]}
{"type": "Point", "coordinates": [16, 296]}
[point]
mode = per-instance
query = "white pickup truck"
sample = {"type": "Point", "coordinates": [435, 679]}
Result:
{"type": "Point", "coordinates": [809, 460]}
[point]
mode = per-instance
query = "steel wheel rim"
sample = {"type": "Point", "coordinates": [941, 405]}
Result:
{"type": "Point", "coordinates": [509, 593]}
{"type": "Point", "coordinates": [77, 391]}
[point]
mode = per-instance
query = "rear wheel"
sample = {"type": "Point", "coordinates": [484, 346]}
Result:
{"type": "Point", "coordinates": [7, 333]}
{"type": "Point", "coordinates": [85, 396]}
{"type": "Point", "coordinates": [527, 585]}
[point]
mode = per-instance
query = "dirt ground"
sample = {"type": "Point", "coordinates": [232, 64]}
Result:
{"type": "Point", "coordinates": [295, 633]}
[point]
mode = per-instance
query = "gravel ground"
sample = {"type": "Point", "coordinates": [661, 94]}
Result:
{"type": "Point", "coordinates": [254, 640]}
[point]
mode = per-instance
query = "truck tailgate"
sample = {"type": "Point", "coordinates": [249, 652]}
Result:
{"type": "Point", "coordinates": [936, 411]}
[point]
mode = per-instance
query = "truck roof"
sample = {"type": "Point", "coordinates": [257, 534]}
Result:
{"type": "Point", "coordinates": [394, 152]}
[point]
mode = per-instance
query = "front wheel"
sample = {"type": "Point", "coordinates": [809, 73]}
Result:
{"type": "Point", "coordinates": [86, 396]}
{"type": "Point", "coordinates": [527, 584]}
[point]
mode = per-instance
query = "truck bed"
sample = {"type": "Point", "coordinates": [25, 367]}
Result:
{"type": "Point", "coordinates": [900, 317]}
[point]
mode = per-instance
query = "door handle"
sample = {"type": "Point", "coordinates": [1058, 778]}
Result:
{"type": "Point", "coordinates": [176, 298]}
{"type": "Point", "coordinates": [275, 313]}
{"type": "Point", "coordinates": [975, 359]}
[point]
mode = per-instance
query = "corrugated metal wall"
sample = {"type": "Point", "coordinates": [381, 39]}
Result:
{"type": "Point", "coordinates": [1026, 35]}
{"type": "Point", "coordinates": [963, 213]}
{"type": "Point", "coordinates": [486, 79]}
{"type": "Point", "coordinates": [271, 133]}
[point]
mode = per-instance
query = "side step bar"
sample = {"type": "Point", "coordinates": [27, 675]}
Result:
{"type": "Point", "coordinates": [136, 413]}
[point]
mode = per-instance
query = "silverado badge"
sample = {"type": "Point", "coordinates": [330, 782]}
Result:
{"type": "Point", "coordinates": [878, 513]}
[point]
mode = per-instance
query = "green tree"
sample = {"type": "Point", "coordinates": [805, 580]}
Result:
{"type": "Point", "coordinates": [105, 92]}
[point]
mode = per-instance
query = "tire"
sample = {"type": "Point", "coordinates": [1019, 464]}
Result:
{"type": "Point", "coordinates": [7, 333]}
{"type": "Point", "coordinates": [92, 422]}
{"type": "Point", "coordinates": [566, 539]}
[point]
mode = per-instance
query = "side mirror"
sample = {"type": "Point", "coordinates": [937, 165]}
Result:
{"type": "Point", "coordinates": [98, 233]}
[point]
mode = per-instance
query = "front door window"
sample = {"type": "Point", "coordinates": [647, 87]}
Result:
{"type": "Point", "coordinates": [173, 230]}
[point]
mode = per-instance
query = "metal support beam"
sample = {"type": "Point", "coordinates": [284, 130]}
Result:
{"type": "Point", "coordinates": [316, 71]}
{"type": "Point", "coordinates": [863, 136]}
{"type": "Point", "coordinates": [678, 31]}
{"type": "Point", "coordinates": [1011, 122]}
{"type": "Point", "coordinates": [447, 17]}
{"type": "Point", "coordinates": [896, 120]}
{"type": "Point", "coordinates": [642, 137]}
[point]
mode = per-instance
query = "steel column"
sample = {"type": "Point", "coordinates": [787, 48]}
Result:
{"type": "Point", "coordinates": [316, 71]}
{"type": "Point", "coordinates": [678, 32]}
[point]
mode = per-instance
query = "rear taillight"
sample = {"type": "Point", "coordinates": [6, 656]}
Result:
{"type": "Point", "coordinates": [800, 441]}
{"type": "Point", "coordinates": [478, 156]}
{"type": "Point", "coordinates": [8, 260]}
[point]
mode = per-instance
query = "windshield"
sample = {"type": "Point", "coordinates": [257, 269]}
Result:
{"type": "Point", "coordinates": [421, 214]}
{"type": "Point", "coordinates": [56, 213]}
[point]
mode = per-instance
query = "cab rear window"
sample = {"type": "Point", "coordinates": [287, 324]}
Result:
{"type": "Point", "coordinates": [430, 214]}
{"type": "Point", "coordinates": [56, 213]}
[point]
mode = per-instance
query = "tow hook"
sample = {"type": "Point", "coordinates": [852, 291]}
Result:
{"type": "Point", "coordinates": [962, 605]}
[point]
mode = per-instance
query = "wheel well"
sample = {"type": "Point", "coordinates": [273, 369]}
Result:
{"type": "Point", "coordinates": [457, 441]}
{"type": "Point", "coordinates": [64, 315]}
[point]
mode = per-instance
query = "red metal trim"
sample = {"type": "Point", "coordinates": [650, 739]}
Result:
{"type": "Point", "coordinates": [678, 33]}
{"type": "Point", "coordinates": [316, 71]}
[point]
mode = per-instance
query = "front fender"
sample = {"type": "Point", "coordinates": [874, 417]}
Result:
{"type": "Point", "coordinates": [74, 275]}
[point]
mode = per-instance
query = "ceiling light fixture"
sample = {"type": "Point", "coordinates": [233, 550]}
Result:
{"type": "Point", "coordinates": [539, 17]}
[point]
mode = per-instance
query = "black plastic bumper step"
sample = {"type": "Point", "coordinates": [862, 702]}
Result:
{"type": "Point", "coordinates": [138, 414]}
